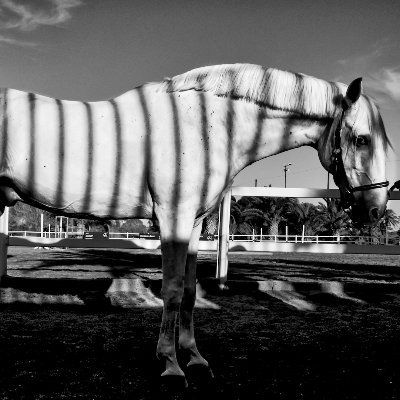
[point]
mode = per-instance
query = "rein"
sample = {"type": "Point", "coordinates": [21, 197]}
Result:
{"type": "Point", "coordinates": [339, 173]}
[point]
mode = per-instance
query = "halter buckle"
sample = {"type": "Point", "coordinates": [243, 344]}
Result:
{"type": "Point", "coordinates": [336, 152]}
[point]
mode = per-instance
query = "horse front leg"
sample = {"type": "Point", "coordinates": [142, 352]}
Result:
{"type": "Point", "coordinates": [175, 233]}
{"type": "Point", "coordinates": [187, 341]}
{"type": "Point", "coordinates": [173, 267]}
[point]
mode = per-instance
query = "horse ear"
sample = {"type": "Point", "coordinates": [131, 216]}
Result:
{"type": "Point", "coordinates": [353, 93]}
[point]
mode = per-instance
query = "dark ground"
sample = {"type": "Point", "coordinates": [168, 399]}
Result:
{"type": "Point", "coordinates": [299, 343]}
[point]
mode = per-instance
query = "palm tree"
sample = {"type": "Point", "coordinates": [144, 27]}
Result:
{"type": "Point", "coordinates": [244, 217]}
{"type": "Point", "coordinates": [389, 220]}
{"type": "Point", "coordinates": [305, 214]}
{"type": "Point", "coordinates": [333, 220]}
{"type": "Point", "coordinates": [275, 211]}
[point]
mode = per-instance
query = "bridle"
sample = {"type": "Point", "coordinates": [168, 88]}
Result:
{"type": "Point", "coordinates": [339, 173]}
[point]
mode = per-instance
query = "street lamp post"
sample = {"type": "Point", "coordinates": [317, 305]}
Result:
{"type": "Point", "coordinates": [286, 169]}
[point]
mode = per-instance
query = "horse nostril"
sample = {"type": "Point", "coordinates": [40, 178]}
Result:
{"type": "Point", "coordinates": [374, 214]}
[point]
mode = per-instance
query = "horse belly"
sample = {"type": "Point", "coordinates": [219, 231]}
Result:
{"type": "Point", "coordinates": [133, 201]}
{"type": "Point", "coordinates": [95, 169]}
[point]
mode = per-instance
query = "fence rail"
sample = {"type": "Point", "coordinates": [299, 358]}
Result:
{"type": "Point", "coordinates": [339, 239]}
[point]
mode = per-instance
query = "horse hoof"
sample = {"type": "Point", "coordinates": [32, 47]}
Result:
{"type": "Point", "coordinates": [172, 384]}
{"type": "Point", "coordinates": [200, 377]}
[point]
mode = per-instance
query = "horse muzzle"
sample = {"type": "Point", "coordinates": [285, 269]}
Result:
{"type": "Point", "coordinates": [369, 206]}
{"type": "Point", "coordinates": [367, 215]}
{"type": "Point", "coordinates": [365, 204]}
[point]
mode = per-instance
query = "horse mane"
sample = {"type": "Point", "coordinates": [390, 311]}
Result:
{"type": "Point", "coordinates": [268, 87]}
{"type": "Point", "coordinates": [273, 88]}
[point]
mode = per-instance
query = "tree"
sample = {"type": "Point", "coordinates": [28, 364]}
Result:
{"type": "Point", "coordinates": [210, 224]}
{"type": "Point", "coordinates": [333, 220]}
{"type": "Point", "coordinates": [278, 211]}
{"type": "Point", "coordinates": [27, 218]}
{"type": "Point", "coordinates": [132, 226]}
{"type": "Point", "coordinates": [389, 220]}
{"type": "Point", "coordinates": [254, 212]}
{"type": "Point", "coordinates": [305, 214]}
{"type": "Point", "coordinates": [244, 217]}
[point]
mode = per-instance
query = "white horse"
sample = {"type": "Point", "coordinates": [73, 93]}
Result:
{"type": "Point", "coordinates": [173, 148]}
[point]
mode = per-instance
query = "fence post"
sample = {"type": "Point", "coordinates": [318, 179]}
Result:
{"type": "Point", "coordinates": [223, 238]}
{"type": "Point", "coordinates": [3, 242]}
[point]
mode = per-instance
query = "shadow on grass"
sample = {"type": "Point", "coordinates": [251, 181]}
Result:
{"type": "Point", "coordinates": [119, 263]}
{"type": "Point", "coordinates": [85, 276]}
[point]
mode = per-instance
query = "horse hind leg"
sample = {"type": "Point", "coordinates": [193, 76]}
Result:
{"type": "Point", "coordinates": [3, 240]}
{"type": "Point", "coordinates": [8, 196]}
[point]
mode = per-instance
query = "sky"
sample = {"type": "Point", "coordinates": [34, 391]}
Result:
{"type": "Point", "coordinates": [98, 49]}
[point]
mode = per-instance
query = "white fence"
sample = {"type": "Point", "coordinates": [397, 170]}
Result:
{"type": "Point", "coordinates": [224, 243]}
{"type": "Point", "coordinates": [336, 239]}
{"type": "Point", "coordinates": [340, 239]}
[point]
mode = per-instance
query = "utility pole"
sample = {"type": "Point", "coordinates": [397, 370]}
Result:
{"type": "Point", "coordinates": [286, 169]}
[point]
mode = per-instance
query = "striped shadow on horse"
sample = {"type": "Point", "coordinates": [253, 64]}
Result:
{"type": "Point", "coordinates": [172, 149]}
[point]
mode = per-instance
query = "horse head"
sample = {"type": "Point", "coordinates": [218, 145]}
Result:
{"type": "Point", "coordinates": [354, 152]}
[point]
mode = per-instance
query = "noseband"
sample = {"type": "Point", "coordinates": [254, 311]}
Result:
{"type": "Point", "coordinates": [339, 172]}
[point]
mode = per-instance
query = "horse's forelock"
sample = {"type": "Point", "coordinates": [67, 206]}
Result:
{"type": "Point", "coordinates": [375, 124]}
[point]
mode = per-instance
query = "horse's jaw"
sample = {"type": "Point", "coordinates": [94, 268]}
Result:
{"type": "Point", "coordinates": [324, 147]}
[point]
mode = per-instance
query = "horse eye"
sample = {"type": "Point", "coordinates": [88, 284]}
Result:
{"type": "Point", "coordinates": [360, 141]}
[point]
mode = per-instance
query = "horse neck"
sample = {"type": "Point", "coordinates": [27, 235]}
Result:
{"type": "Point", "coordinates": [276, 132]}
